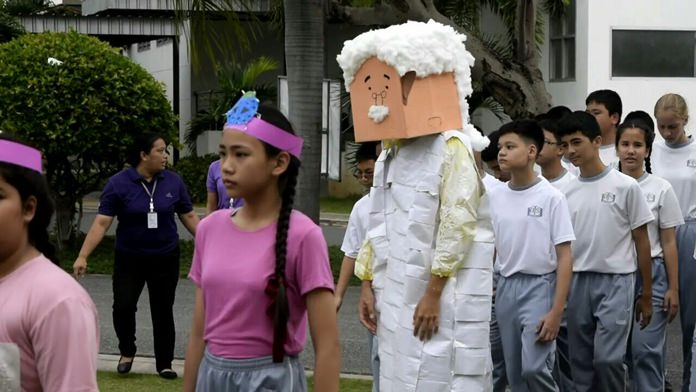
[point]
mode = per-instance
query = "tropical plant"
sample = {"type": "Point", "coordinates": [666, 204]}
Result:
{"type": "Point", "coordinates": [232, 79]}
{"type": "Point", "coordinates": [82, 111]}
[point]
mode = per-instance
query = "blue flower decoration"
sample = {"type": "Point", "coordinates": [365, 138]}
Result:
{"type": "Point", "coordinates": [244, 110]}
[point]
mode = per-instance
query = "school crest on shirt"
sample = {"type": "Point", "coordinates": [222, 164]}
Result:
{"type": "Point", "coordinates": [650, 197]}
{"type": "Point", "coordinates": [608, 197]}
{"type": "Point", "coordinates": [535, 211]}
{"type": "Point", "coordinates": [691, 163]}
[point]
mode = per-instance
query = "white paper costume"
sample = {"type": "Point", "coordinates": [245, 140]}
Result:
{"type": "Point", "coordinates": [408, 87]}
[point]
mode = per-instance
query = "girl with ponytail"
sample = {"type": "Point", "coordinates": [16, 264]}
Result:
{"type": "Point", "coordinates": [48, 323]}
{"type": "Point", "coordinates": [634, 143]}
{"type": "Point", "coordinates": [262, 270]}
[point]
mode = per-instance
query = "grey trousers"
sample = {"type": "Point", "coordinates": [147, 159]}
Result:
{"type": "Point", "coordinates": [648, 345]}
{"type": "Point", "coordinates": [686, 241]}
{"type": "Point", "coordinates": [600, 307]}
{"type": "Point", "coordinates": [521, 303]}
{"type": "Point", "coordinates": [500, 382]}
{"type": "Point", "coordinates": [217, 374]}
{"type": "Point", "coordinates": [561, 371]}
{"type": "Point", "coordinates": [373, 348]}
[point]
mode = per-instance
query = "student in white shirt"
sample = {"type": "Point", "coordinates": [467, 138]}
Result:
{"type": "Point", "coordinates": [610, 217]}
{"type": "Point", "coordinates": [606, 107]}
{"type": "Point", "coordinates": [674, 159]}
{"type": "Point", "coordinates": [555, 114]}
{"type": "Point", "coordinates": [549, 158]}
{"type": "Point", "coordinates": [491, 182]}
{"type": "Point", "coordinates": [634, 139]}
{"type": "Point", "coordinates": [365, 158]}
{"type": "Point", "coordinates": [556, 174]}
{"type": "Point", "coordinates": [489, 156]}
{"type": "Point", "coordinates": [533, 233]}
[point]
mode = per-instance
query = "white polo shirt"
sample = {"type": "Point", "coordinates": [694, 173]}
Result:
{"type": "Point", "coordinates": [678, 166]}
{"type": "Point", "coordinates": [605, 209]}
{"type": "Point", "coordinates": [528, 224]}
{"type": "Point", "coordinates": [664, 206]}
{"type": "Point", "coordinates": [357, 227]}
{"type": "Point", "coordinates": [607, 153]}
{"type": "Point", "coordinates": [562, 181]}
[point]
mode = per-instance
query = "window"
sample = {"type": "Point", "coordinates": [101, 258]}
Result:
{"type": "Point", "coordinates": [653, 53]}
{"type": "Point", "coordinates": [562, 45]}
{"type": "Point", "coordinates": [143, 46]}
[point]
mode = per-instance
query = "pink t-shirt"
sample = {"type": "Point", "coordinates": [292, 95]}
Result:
{"type": "Point", "coordinates": [233, 266]}
{"type": "Point", "coordinates": [52, 320]}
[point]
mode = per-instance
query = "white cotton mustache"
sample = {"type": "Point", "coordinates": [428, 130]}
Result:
{"type": "Point", "coordinates": [378, 113]}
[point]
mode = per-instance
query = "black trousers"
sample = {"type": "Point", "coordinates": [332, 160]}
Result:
{"type": "Point", "coordinates": [131, 273]}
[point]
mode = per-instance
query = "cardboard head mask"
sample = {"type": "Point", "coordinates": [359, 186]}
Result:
{"type": "Point", "coordinates": [409, 80]}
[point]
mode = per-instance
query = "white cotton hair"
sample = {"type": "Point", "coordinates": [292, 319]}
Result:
{"type": "Point", "coordinates": [378, 113]}
{"type": "Point", "coordinates": [425, 48]}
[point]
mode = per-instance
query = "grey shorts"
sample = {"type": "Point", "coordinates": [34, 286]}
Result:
{"type": "Point", "coordinates": [217, 374]}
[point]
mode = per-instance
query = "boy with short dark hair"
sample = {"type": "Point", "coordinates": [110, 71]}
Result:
{"type": "Point", "coordinates": [365, 158]}
{"type": "Point", "coordinates": [606, 107]}
{"type": "Point", "coordinates": [533, 232]}
{"type": "Point", "coordinates": [610, 217]}
{"type": "Point", "coordinates": [549, 158]}
{"type": "Point", "coordinates": [489, 156]}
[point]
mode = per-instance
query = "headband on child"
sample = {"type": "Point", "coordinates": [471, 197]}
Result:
{"type": "Point", "coordinates": [244, 117]}
{"type": "Point", "coordinates": [20, 155]}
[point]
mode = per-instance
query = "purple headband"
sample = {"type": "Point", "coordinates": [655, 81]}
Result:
{"type": "Point", "coordinates": [244, 117]}
{"type": "Point", "coordinates": [20, 155]}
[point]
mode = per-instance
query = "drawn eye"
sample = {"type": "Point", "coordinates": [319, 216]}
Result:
{"type": "Point", "coordinates": [386, 87]}
{"type": "Point", "coordinates": [369, 88]}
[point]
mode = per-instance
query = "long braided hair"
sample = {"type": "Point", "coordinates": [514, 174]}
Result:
{"type": "Point", "coordinates": [31, 183]}
{"type": "Point", "coordinates": [276, 288]}
{"type": "Point", "coordinates": [648, 132]}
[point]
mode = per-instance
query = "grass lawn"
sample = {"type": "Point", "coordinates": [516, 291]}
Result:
{"type": "Point", "coordinates": [101, 260]}
{"type": "Point", "coordinates": [341, 206]}
{"type": "Point", "coordinates": [114, 382]}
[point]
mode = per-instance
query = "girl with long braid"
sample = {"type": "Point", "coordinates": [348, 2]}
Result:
{"type": "Point", "coordinates": [261, 271]}
{"type": "Point", "coordinates": [49, 333]}
{"type": "Point", "coordinates": [634, 143]}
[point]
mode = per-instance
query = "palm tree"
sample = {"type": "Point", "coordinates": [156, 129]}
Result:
{"type": "Point", "coordinates": [304, 58]}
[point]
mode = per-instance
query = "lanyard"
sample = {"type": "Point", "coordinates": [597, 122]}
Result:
{"type": "Point", "coordinates": [151, 194]}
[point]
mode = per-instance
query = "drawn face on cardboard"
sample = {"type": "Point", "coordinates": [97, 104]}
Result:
{"type": "Point", "coordinates": [386, 105]}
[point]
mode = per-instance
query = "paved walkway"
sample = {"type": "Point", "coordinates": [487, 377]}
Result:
{"type": "Point", "coordinates": [353, 335]}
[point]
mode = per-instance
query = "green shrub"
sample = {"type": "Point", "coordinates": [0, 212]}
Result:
{"type": "Point", "coordinates": [194, 172]}
{"type": "Point", "coordinates": [83, 111]}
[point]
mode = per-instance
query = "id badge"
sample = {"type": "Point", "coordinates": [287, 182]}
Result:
{"type": "Point", "coordinates": [9, 367]}
{"type": "Point", "coordinates": [151, 220]}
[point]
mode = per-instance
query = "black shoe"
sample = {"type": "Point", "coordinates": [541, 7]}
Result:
{"type": "Point", "coordinates": [124, 367]}
{"type": "Point", "coordinates": [168, 374]}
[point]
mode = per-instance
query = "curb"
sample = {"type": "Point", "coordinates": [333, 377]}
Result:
{"type": "Point", "coordinates": [146, 365]}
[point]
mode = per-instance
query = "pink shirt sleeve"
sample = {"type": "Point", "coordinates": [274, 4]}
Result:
{"type": "Point", "coordinates": [66, 343]}
{"type": "Point", "coordinates": [312, 267]}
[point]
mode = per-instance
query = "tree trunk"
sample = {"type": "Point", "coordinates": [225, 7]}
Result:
{"type": "Point", "coordinates": [304, 58]}
{"type": "Point", "coordinates": [65, 215]}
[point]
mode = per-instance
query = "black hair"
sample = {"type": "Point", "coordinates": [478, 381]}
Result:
{"type": "Point", "coordinates": [142, 143]}
{"type": "Point", "coordinates": [29, 183]}
{"type": "Point", "coordinates": [276, 288]}
{"type": "Point", "coordinates": [550, 126]}
{"type": "Point", "coordinates": [528, 130]}
{"type": "Point", "coordinates": [366, 152]}
{"type": "Point", "coordinates": [556, 113]}
{"type": "Point", "coordinates": [609, 98]}
{"type": "Point", "coordinates": [578, 121]}
{"type": "Point", "coordinates": [648, 133]}
{"type": "Point", "coordinates": [643, 116]}
{"type": "Point", "coordinates": [490, 153]}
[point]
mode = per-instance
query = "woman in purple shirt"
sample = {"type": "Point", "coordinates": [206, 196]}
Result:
{"type": "Point", "coordinates": [218, 198]}
{"type": "Point", "coordinates": [145, 198]}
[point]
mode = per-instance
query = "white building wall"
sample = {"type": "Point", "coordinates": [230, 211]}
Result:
{"type": "Point", "coordinates": [158, 61]}
{"type": "Point", "coordinates": [594, 24]}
